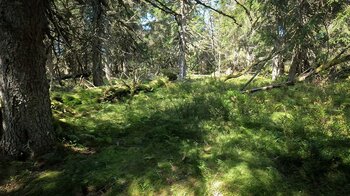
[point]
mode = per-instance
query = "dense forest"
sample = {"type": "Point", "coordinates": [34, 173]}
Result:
{"type": "Point", "coordinates": [182, 97]}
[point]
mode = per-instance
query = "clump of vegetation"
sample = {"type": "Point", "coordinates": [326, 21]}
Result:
{"type": "Point", "coordinates": [170, 74]}
{"type": "Point", "coordinates": [118, 93]}
{"type": "Point", "coordinates": [196, 137]}
{"type": "Point", "coordinates": [115, 93]}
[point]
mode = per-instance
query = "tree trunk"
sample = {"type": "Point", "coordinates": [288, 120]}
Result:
{"type": "Point", "coordinates": [97, 67]}
{"type": "Point", "coordinates": [300, 63]}
{"type": "Point", "coordinates": [109, 71]}
{"type": "Point", "coordinates": [27, 119]}
{"type": "Point", "coordinates": [1, 129]}
{"type": "Point", "coordinates": [125, 69]}
{"type": "Point", "coordinates": [217, 69]}
{"type": "Point", "coordinates": [293, 70]}
{"type": "Point", "coordinates": [50, 66]}
{"type": "Point", "coordinates": [277, 67]}
{"type": "Point", "coordinates": [182, 39]}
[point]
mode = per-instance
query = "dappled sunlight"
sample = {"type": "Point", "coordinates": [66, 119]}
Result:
{"type": "Point", "coordinates": [199, 137]}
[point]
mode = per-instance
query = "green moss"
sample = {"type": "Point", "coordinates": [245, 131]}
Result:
{"type": "Point", "coordinates": [198, 137]}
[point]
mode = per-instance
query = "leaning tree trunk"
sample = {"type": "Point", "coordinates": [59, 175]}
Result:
{"type": "Point", "coordinates": [27, 119]}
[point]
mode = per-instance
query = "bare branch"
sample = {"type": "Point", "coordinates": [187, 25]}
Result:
{"type": "Point", "coordinates": [335, 61]}
{"type": "Point", "coordinates": [272, 86]}
{"type": "Point", "coordinates": [246, 11]}
{"type": "Point", "coordinates": [218, 11]}
{"type": "Point", "coordinates": [162, 7]}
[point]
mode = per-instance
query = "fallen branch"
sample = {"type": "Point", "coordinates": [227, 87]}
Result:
{"type": "Point", "coordinates": [231, 76]}
{"type": "Point", "coordinates": [263, 63]}
{"type": "Point", "coordinates": [254, 76]}
{"type": "Point", "coordinates": [335, 61]}
{"type": "Point", "coordinates": [253, 90]}
{"type": "Point", "coordinates": [264, 60]}
{"type": "Point", "coordinates": [86, 83]}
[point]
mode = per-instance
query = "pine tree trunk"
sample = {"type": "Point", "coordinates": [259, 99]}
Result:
{"type": "Point", "coordinates": [97, 67]}
{"type": "Point", "coordinates": [299, 64]}
{"type": "Point", "coordinates": [182, 33]}
{"type": "Point", "coordinates": [277, 67]}
{"type": "Point", "coordinates": [27, 119]}
{"type": "Point", "coordinates": [1, 129]}
{"type": "Point", "coordinates": [293, 70]}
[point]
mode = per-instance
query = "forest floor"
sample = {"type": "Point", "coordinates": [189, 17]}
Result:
{"type": "Point", "coordinates": [198, 137]}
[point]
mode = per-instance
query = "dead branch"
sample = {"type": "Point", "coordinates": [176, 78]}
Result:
{"type": "Point", "coordinates": [253, 90]}
{"type": "Point", "coordinates": [162, 7]}
{"type": "Point", "coordinates": [335, 61]}
{"type": "Point", "coordinates": [262, 65]}
{"type": "Point", "coordinates": [246, 11]}
{"type": "Point", "coordinates": [264, 60]}
{"type": "Point", "coordinates": [218, 11]}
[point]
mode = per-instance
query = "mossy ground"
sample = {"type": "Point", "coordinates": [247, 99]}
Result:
{"type": "Point", "coordinates": [199, 137]}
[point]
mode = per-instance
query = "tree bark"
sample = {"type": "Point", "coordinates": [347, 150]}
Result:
{"type": "Point", "coordinates": [294, 66]}
{"type": "Point", "coordinates": [97, 67]}
{"type": "Point", "coordinates": [27, 119]}
{"type": "Point", "coordinates": [1, 129]}
{"type": "Point", "coordinates": [277, 67]}
{"type": "Point", "coordinates": [182, 39]}
{"type": "Point", "coordinates": [300, 63]}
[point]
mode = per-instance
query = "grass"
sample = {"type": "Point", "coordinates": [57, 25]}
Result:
{"type": "Point", "coordinates": [199, 137]}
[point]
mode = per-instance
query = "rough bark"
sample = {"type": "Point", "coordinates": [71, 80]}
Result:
{"type": "Point", "coordinates": [1, 129]}
{"type": "Point", "coordinates": [295, 64]}
{"type": "Point", "coordinates": [97, 66]}
{"type": "Point", "coordinates": [27, 119]}
{"type": "Point", "coordinates": [300, 63]}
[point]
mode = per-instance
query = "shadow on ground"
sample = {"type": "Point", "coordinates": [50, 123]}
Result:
{"type": "Point", "coordinates": [198, 138]}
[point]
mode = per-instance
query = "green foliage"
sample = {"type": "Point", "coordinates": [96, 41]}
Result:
{"type": "Point", "coordinates": [199, 137]}
{"type": "Point", "coordinates": [158, 82]}
{"type": "Point", "coordinates": [170, 74]}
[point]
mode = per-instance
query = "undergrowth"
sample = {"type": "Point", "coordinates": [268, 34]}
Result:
{"type": "Point", "coordinates": [198, 137]}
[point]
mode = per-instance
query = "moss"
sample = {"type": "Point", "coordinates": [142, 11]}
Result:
{"type": "Point", "coordinates": [198, 137]}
